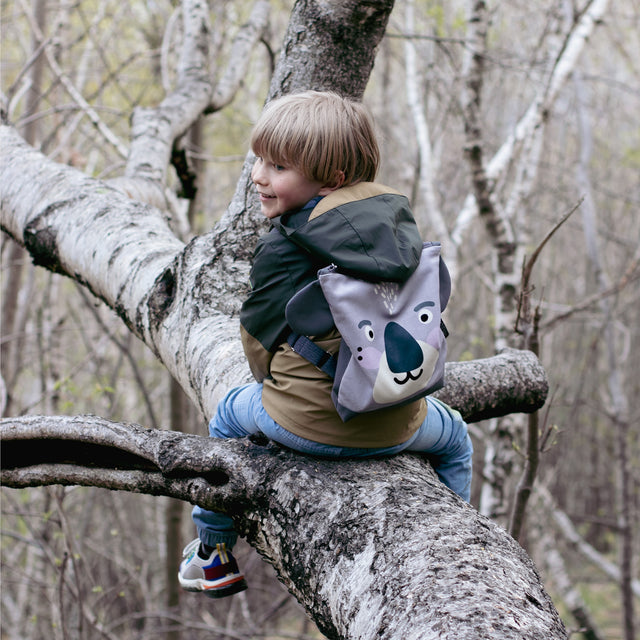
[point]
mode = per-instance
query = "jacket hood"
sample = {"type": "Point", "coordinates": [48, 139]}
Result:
{"type": "Point", "coordinates": [367, 230]}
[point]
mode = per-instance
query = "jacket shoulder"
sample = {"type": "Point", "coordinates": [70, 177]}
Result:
{"type": "Point", "coordinates": [352, 194]}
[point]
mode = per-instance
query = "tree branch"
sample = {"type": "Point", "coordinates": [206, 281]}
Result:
{"type": "Point", "coordinates": [373, 549]}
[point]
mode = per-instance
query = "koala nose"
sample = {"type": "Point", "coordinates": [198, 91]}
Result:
{"type": "Point", "coordinates": [402, 351]}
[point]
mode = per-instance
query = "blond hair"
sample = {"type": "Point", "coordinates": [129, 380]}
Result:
{"type": "Point", "coordinates": [321, 134]}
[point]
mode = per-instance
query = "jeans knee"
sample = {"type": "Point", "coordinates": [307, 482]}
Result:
{"type": "Point", "coordinates": [235, 415]}
{"type": "Point", "coordinates": [463, 447]}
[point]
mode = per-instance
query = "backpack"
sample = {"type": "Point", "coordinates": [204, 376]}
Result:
{"type": "Point", "coordinates": [393, 347]}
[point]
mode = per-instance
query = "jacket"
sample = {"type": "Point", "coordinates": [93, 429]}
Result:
{"type": "Point", "coordinates": [368, 231]}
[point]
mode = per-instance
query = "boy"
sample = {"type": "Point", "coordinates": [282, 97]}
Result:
{"type": "Point", "coordinates": [317, 157]}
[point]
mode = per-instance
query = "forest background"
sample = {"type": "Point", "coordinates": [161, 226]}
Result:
{"type": "Point", "coordinates": [72, 74]}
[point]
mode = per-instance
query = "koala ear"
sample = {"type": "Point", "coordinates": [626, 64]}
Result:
{"type": "Point", "coordinates": [445, 285]}
{"type": "Point", "coordinates": [308, 312]}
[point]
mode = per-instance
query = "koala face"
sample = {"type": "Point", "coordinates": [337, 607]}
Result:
{"type": "Point", "coordinates": [404, 351]}
{"type": "Point", "coordinates": [393, 347]}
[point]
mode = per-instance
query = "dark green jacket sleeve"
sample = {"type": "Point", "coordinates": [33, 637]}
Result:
{"type": "Point", "coordinates": [279, 270]}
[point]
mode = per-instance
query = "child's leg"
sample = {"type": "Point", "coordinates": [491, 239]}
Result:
{"type": "Point", "coordinates": [234, 418]}
{"type": "Point", "coordinates": [443, 436]}
{"type": "Point", "coordinates": [208, 565]}
{"type": "Point", "coordinates": [241, 413]}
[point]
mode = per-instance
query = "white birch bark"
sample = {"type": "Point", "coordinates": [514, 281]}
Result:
{"type": "Point", "coordinates": [520, 154]}
{"type": "Point", "coordinates": [531, 125]}
{"type": "Point", "coordinates": [155, 130]}
{"type": "Point", "coordinates": [428, 209]}
{"type": "Point", "coordinates": [127, 255]}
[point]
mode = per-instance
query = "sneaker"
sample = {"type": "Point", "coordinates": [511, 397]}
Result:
{"type": "Point", "coordinates": [217, 576]}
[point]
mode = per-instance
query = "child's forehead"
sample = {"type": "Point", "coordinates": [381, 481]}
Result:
{"type": "Point", "coordinates": [276, 158]}
{"type": "Point", "coordinates": [273, 156]}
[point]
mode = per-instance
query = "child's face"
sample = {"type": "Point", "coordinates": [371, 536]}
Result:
{"type": "Point", "coordinates": [283, 188]}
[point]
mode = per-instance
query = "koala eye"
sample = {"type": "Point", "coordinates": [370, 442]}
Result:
{"type": "Point", "coordinates": [425, 315]}
{"type": "Point", "coordinates": [367, 329]}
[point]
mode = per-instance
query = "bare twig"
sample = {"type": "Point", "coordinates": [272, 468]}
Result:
{"type": "Point", "coordinates": [530, 330]}
{"type": "Point", "coordinates": [73, 92]}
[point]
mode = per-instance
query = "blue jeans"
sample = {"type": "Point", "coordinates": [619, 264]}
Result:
{"type": "Point", "coordinates": [443, 436]}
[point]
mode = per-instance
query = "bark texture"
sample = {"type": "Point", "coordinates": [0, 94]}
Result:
{"type": "Point", "coordinates": [179, 299]}
{"type": "Point", "coordinates": [182, 300]}
{"type": "Point", "coordinates": [372, 549]}
{"type": "Point", "coordinates": [375, 549]}
{"type": "Point", "coordinates": [331, 45]}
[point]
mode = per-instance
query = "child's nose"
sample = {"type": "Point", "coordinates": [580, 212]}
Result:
{"type": "Point", "coordinates": [257, 173]}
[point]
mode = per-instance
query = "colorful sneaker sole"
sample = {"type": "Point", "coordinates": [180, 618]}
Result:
{"type": "Point", "coordinates": [224, 586]}
{"type": "Point", "coordinates": [235, 586]}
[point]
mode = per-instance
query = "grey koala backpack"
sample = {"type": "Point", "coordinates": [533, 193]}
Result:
{"type": "Point", "coordinates": [393, 347]}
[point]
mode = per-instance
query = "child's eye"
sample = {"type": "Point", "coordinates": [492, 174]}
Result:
{"type": "Point", "coordinates": [279, 167]}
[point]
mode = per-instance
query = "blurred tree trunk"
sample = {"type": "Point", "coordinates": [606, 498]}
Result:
{"type": "Point", "coordinates": [181, 420]}
{"type": "Point", "coordinates": [499, 189]}
{"type": "Point", "coordinates": [616, 400]}
{"type": "Point", "coordinates": [12, 308]}
{"type": "Point", "coordinates": [567, 531]}
{"type": "Point", "coordinates": [554, 565]}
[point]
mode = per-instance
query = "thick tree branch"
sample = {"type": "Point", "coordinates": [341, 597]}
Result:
{"type": "Point", "coordinates": [514, 381]}
{"type": "Point", "coordinates": [372, 549]}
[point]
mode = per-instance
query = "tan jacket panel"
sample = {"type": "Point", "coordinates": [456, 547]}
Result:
{"type": "Point", "coordinates": [298, 397]}
{"type": "Point", "coordinates": [259, 358]}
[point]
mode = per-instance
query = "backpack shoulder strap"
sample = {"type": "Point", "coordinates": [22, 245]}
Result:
{"type": "Point", "coordinates": [316, 355]}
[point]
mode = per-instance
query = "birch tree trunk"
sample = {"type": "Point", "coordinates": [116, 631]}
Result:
{"type": "Point", "coordinates": [501, 208]}
{"type": "Point", "coordinates": [12, 308]}
{"type": "Point", "coordinates": [616, 399]}
{"type": "Point", "coordinates": [326, 527]}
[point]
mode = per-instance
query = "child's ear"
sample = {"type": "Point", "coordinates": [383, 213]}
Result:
{"type": "Point", "coordinates": [332, 186]}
